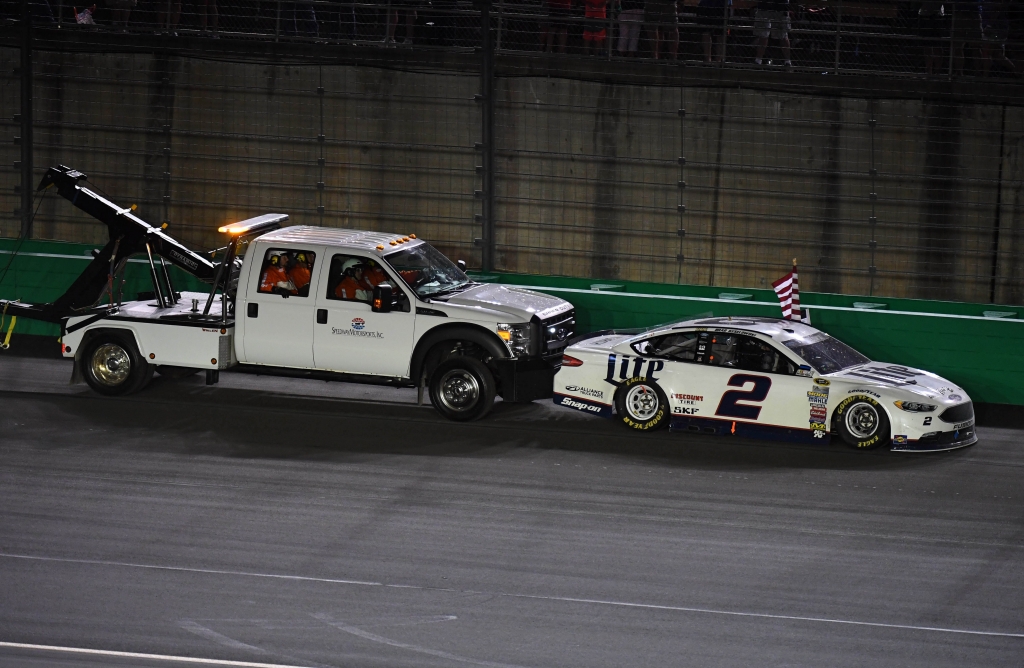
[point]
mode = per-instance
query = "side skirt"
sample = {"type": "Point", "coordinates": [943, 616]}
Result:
{"type": "Point", "coordinates": [317, 374]}
{"type": "Point", "coordinates": [717, 427]}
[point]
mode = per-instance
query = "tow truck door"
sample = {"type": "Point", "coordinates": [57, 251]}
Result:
{"type": "Point", "coordinates": [278, 330]}
{"type": "Point", "coordinates": [349, 337]}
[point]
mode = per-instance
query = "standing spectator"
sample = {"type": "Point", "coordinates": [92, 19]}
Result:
{"type": "Point", "coordinates": [85, 17]}
{"type": "Point", "coordinates": [711, 16]}
{"type": "Point", "coordinates": [595, 23]}
{"type": "Point", "coordinates": [408, 9]}
{"type": "Point", "coordinates": [771, 19]}
{"type": "Point", "coordinates": [662, 19]}
{"type": "Point", "coordinates": [995, 27]}
{"type": "Point", "coordinates": [167, 16]}
{"type": "Point", "coordinates": [207, 16]}
{"type": "Point", "coordinates": [932, 28]}
{"type": "Point", "coordinates": [966, 27]}
{"type": "Point", "coordinates": [120, 10]}
{"type": "Point", "coordinates": [631, 19]}
{"type": "Point", "coordinates": [559, 12]}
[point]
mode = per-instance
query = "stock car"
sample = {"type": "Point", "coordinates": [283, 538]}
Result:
{"type": "Point", "coordinates": [761, 378]}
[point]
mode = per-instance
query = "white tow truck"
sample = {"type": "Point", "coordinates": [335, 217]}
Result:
{"type": "Point", "coordinates": [322, 303]}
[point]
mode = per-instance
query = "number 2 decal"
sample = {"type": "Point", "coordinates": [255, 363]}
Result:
{"type": "Point", "coordinates": [729, 406]}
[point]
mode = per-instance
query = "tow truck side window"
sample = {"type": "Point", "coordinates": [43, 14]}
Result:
{"type": "Point", "coordinates": [286, 272]}
{"type": "Point", "coordinates": [679, 347]}
{"type": "Point", "coordinates": [749, 354]}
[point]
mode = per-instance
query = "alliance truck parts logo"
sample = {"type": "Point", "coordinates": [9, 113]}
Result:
{"type": "Point", "coordinates": [358, 328]}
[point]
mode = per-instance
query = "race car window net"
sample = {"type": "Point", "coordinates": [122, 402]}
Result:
{"type": "Point", "coordinates": [679, 347]}
{"type": "Point", "coordinates": [749, 354]}
{"type": "Point", "coordinates": [427, 271]}
{"type": "Point", "coordinates": [826, 354]}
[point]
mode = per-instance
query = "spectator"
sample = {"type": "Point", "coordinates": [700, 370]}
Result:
{"type": "Point", "coordinates": [559, 13]}
{"type": "Point", "coordinates": [85, 17]}
{"type": "Point", "coordinates": [207, 16]}
{"type": "Point", "coordinates": [300, 19]}
{"type": "Point", "coordinates": [771, 19]}
{"type": "Point", "coordinates": [167, 16]}
{"type": "Point", "coordinates": [595, 23]}
{"type": "Point", "coordinates": [965, 27]}
{"type": "Point", "coordinates": [661, 18]}
{"type": "Point", "coordinates": [995, 27]}
{"type": "Point", "coordinates": [711, 16]}
{"type": "Point", "coordinates": [408, 8]}
{"type": "Point", "coordinates": [631, 19]}
{"type": "Point", "coordinates": [120, 11]}
{"type": "Point", "coordinates": [932, 28]}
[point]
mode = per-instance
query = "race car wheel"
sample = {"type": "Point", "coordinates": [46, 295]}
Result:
{"type": "Point", "coordinates": [462, 389]}
{"type": "Point", "coordinates": [113, 366]}
{"type": "Point", "coordinates": [641, 404]}
{"type": "Point", "coordinates": [862, 423]}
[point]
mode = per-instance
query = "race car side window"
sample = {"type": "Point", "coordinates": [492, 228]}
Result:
{"type": "Point", "coordinates": [679, 347]}
{"type": "Point", "coordinates": [735, 351]}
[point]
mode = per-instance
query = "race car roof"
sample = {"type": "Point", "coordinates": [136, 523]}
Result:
{"type": "Point", "coordinates": [776, 328]}
{"type": "Point", "coordinates": [334, 236]}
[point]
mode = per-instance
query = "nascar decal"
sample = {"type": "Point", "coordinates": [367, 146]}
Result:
{"type": "Point", "coordinates": [583, 405]}
{"type": "Point", "coordinates": [623, 367]}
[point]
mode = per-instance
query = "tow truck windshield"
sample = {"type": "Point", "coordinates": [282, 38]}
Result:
{"type": "Point", "coordinates": [427, 271]}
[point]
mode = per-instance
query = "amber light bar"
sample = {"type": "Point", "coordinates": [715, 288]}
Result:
{"type": "Point", "coordinates": [267, 221]}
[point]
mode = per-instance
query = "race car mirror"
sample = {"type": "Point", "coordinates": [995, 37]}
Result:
{"type": "Point", "coordinates": [382, 298]}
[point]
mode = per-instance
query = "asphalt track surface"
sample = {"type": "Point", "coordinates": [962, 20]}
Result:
{"type": "Point", "coordinates": [250, 523]}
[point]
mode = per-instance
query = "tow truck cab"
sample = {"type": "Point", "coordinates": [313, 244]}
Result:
{"type": "Point", "coordinates": [336, 304]}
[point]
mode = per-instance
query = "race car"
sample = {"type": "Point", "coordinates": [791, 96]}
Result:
{"type": "Point", "coordinates": [761, 378]}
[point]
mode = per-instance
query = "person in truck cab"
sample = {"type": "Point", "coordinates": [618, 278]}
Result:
{"type": "Point", "coordinates": [374, 275]}
{"type": "Point", "coordinates": [275, 276]}
{"type": "Point", "coordinates": [299, 274]}
{"type": "Point", "coordinates": [353, 286]}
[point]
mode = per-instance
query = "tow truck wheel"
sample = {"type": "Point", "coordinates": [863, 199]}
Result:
{"type": "Point", "coordinates": [462, 389]}
{"type": "Point", "coordinates": [113, 366]}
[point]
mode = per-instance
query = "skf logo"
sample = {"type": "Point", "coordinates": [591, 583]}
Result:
{"type": "Point", "coordinates": [824, 382]}
{"type": "Point", "coordinates": [358, 323]}
{"type": "Point", "coordinates": [626, 366]}
{"type": "Point", "coordinates": [685, 410]}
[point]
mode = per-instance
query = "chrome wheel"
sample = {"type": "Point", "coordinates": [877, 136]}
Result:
{"type": "Point", "coordinates": [460, 390]}
{"type": "Point", "coordinates": [110, 364]}
{"type": "Point", "coordinates": [862, 420]}
{"type": "Point", "coordinates": [641, 402]}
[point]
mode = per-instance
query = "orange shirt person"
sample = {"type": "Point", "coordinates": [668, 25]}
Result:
{"type": "Point", "coordinates": [374, 276]}
{"type": "Point", "coordinates": [276, 276]}
{"type": "Point", "coordinates": [353, 286]}
{"type": "Point", "coordinates": [299, 274]}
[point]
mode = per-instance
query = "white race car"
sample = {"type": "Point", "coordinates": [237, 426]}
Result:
{"type": "Point", "coordinates": [761, 378]}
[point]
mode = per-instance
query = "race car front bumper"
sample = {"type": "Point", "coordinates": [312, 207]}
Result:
{"type": "Point", "coordinates": [945, 440]}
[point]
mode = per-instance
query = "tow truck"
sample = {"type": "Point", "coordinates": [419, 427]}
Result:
{"type": "Point", "coordinates": [281, 302]}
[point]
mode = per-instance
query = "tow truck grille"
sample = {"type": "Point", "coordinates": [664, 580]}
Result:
{"type": "Point", "coordinates": [961, 413]}
{"type": "Point", "coordinates": [557, 330]}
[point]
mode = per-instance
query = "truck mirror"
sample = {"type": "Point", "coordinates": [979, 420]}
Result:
{"type": "Point", "coordinates": [462, 265]}
{"type": "Point", "coordinates": [383, 296]}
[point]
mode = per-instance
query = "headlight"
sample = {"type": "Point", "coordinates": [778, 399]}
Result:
{"type": "Point", "coordinates": [517, 336]}
{"type": "Point", "coordinates": [914, 407]}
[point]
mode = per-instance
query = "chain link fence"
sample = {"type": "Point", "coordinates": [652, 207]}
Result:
{"type": "Point", "coordinates": [523, 161]}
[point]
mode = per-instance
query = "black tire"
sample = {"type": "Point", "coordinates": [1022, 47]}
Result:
{"type": "Point", "coordinates": [462, 389]}
{"type": "Point", "coordinates": [862, 423]}
{"type": "Point", "coordinates": [175, 372]}
{"type": "Point", "coordinates": [112, 365]}
{"type": "Point", "coordinates": [642, 405]}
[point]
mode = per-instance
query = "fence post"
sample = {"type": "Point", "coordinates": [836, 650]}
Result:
{"type": "Point", "coordinates": [487, 136]}
{"type": "Point", "coordinates": [839, 23]}
{"type": "Point", "coordinates": [501, 6]}
{"type": "Point", "coordinates": [952, 43]}
{"type": "Point", "coordinates": [725, 34]}
{"type": "Point", "coordinates": [26, 120]}
{"type": "Point", "coordinates": [873, 220]}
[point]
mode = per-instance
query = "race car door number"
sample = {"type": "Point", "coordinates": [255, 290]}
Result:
{"type": "Point", "coordinates": [730, 405]}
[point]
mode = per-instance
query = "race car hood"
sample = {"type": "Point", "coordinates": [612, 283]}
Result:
{"type": "Point", "coordinates": [903, 378]}
{"type": "Point", "coordinates": [520, 305]}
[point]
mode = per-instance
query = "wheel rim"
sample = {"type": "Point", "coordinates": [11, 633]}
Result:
{"type": "Point", "coordinates": [460, 390]}
{"type": "Point", "coordinates": [111, 364]}
{"type": "Point", "coordinates": [862, 420]}
{"type": "Point", "coordinates": [641, 402]}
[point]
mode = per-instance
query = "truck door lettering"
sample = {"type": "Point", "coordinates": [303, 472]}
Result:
{"type": "Point", "coordinates": [729, 406]}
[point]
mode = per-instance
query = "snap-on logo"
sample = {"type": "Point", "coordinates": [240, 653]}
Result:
{"type": "Point", "coordinates": [358, 323]}
{"type": "Point", "coordinates": [566, 401]}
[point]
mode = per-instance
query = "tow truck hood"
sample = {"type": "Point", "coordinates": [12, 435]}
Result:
{"type": "Point", "coordinates": [907, 379]}
{"type": "Point", "coordinates": [521, 305]}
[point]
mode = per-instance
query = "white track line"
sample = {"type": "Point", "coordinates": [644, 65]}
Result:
{"type": "Point", "coordinates": [538, 597]}
{"type": "Point", "coordinates": [139, 655]}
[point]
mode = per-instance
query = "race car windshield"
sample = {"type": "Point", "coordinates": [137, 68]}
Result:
{"type": "Point", "coordinates": [426, 270]}
{"type": "Point", "coordinates": [826, 354]}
